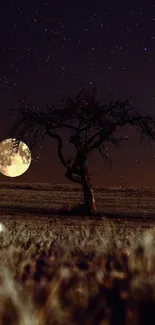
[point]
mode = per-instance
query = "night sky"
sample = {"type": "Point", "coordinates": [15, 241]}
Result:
{"type": "Point", "coordinates": [49, 48]}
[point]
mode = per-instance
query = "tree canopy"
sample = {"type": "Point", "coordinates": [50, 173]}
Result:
{"type": "Point", "coordinates": [91, 123]}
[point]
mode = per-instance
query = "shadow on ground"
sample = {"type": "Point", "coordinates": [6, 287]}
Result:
{"type": "Point", "coordinates": [78, 211]}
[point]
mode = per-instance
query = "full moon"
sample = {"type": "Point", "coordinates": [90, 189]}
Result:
{"type": "Point", "coordinates": [14, 161]}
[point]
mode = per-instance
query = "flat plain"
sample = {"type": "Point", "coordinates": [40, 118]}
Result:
{"type": "Point", "coordinates": [42, 252]}
{"type": "Point", "coordinates": [44, 198]}
{"type": "Point", "coordinates": [32, 209]}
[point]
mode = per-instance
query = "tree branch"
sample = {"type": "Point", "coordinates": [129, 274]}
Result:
{"type": "Point", "coordinates": [103, 137]}
{"type": "Point", "coordinates": [69, 175]}
{"type": "Point", "coordinates": [91, 139]}
{"type": "Point", "coordinates": [60, 153]}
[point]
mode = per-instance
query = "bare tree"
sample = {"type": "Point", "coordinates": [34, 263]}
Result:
{"type": "Point", "coordinates": [91, 125]}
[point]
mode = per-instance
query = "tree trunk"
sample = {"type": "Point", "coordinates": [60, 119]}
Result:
{"type": "Point", "coordinates": [89, 198]}
{"type": "Point", "coordinates": [78, 173]}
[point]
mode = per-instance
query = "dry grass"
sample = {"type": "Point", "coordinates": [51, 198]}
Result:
{"type": "Point", "coordinates": [65, 273]}
{"type": "Point", "coordinates": [74, 270]}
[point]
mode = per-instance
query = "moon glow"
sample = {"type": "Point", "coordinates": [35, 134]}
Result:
{"type": "Point", "coordinates": [14, 162]}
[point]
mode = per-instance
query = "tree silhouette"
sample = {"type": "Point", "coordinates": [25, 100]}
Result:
{"type": "Point", "coordinates": [91, 125]}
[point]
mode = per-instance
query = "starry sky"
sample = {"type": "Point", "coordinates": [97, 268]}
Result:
{"type": "Point", "coordinates": [49, 48]}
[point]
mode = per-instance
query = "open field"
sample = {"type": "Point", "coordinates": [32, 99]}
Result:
{"type": "Point", "coordinates": [47, 198]}
{"type": "Point", "coordinates": [63, 271]}
{"type": "Point", "coordinates": [69, 270]}
{"type": "Point", "coordinates": [34, 208]}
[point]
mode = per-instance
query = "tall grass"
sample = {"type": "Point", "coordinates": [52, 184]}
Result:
{"type": "Point", "coordinates": [76, 277]}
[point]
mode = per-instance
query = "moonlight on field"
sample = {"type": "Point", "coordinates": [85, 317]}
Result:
{"type": "Point", "coordinates": [14, 162]}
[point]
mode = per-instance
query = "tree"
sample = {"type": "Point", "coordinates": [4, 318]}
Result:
{"type": "Point", "coordinates": [90, 123]}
